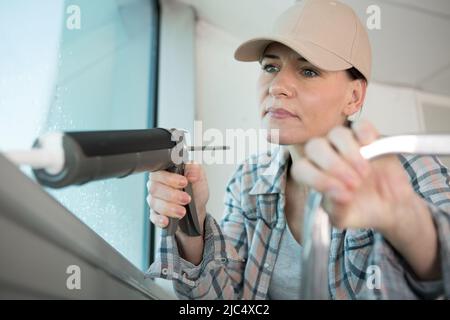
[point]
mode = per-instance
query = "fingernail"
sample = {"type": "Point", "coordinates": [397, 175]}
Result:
{"type": "Point", "coordinates": [182, 183]}
{"type": "Point", "coordinates": [338, 194]}
{"type": "Point", "coordinates": [334, 193]}
{"type": "Point", "coordinates": [185, 198]}
{"type": "Point", "coordinates": [192, 177]}
{"type": "Point", "coordinates": [180, 212]}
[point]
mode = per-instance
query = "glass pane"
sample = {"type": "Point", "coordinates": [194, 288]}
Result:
{"type": "Point", "coordinates": [81, 65]}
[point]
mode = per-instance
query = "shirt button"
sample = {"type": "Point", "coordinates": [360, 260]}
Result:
{"type": "Point", "coordinates": [165, 271]}
{"type": "Point", "coordinates": [266, 265]}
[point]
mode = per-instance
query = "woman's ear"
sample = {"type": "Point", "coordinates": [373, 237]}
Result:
{"type": "Point", "coordinates": [357, 95]}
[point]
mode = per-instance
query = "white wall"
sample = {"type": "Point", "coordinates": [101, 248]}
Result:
{"type": "Point", "coordinates": [226, 98]}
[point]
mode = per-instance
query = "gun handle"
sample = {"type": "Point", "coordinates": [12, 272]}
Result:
{"type": "Point", "coordinates": [189, 223]}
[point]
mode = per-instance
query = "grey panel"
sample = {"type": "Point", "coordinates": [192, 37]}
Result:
{"type": "Point", "coordinates": [436, 119]}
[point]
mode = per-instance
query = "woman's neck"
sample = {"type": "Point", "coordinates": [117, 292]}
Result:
{"type": "Point", "coordinates": [296, 151]}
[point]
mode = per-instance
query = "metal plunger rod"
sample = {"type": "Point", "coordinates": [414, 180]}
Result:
{"type": "Point", "coordinates": [201, 148]}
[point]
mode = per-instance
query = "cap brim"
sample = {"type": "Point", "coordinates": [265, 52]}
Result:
{"type": "Point", "coordinates": [253, 49]}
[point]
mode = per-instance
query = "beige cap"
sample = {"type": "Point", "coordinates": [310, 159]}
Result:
{"type": "Point", "coordinates": [326, 33]}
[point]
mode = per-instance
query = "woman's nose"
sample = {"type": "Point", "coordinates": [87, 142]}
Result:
{"type": "Point", "coordinates": [281, 86]}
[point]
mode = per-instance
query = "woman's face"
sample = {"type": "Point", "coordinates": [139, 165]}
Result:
{"type": "Point", "coordinates": [300, 100]}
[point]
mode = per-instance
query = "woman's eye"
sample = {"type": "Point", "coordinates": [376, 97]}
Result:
{"type": "Point", "coordinates": [270, 68]}
{"type": "Point", "coordinates": [309, 73]}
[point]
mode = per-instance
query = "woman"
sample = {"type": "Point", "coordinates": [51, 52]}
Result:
{"type": "Point", "coordinates": [392, 213]}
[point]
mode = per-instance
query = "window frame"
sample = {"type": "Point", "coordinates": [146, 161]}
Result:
{"type": "Point", "coordinates": [153, 114]}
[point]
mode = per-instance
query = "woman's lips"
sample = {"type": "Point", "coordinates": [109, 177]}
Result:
{"type": "Point", "coordinates": [280, 113]}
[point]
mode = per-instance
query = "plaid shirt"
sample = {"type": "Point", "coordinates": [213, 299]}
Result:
{"type": "Point", "coordinates": [240, 253]}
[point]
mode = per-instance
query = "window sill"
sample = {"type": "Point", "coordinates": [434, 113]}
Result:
{"type": "Point", "coordinates": [40, 240]}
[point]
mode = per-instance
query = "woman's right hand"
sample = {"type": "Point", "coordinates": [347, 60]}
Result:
{"type": "Point", "coordinates": [166, 198]}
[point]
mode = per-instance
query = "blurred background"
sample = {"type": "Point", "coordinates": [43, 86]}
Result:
{"type": "Point", "coordinates": [133, 64]}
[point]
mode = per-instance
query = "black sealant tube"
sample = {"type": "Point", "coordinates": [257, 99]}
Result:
{"type": "Point", "coordinates": [98, 155]}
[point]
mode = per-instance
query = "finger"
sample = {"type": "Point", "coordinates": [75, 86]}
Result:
{"type": "Point", "coordinates": [345, 143]}
{"type": "Point", "coordinates": [165, 208]}
{"type": "Point", "coordinates": [303, 171]}
{"type": "Point", "coordinates": [338, 218]}
{"type": "Point", "coordinates": [193, 172]}
{"type": "Point", "coordinates": [365, 132]}
{"type": "Point", "coordinates": [320, 152]}
{"type": "Point", "coordinates": [170, 179]}
{"type": "Point", "coordinates": [169, 194]}
{"type": "Point", "coordinates": [159, 220]}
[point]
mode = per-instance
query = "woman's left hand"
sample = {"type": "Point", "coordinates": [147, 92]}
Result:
{"type": "Point", "coordinates": [358, 193]}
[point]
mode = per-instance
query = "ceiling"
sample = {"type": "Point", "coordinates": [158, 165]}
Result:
{"type": "Point", "coordinates": [412, 49]}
